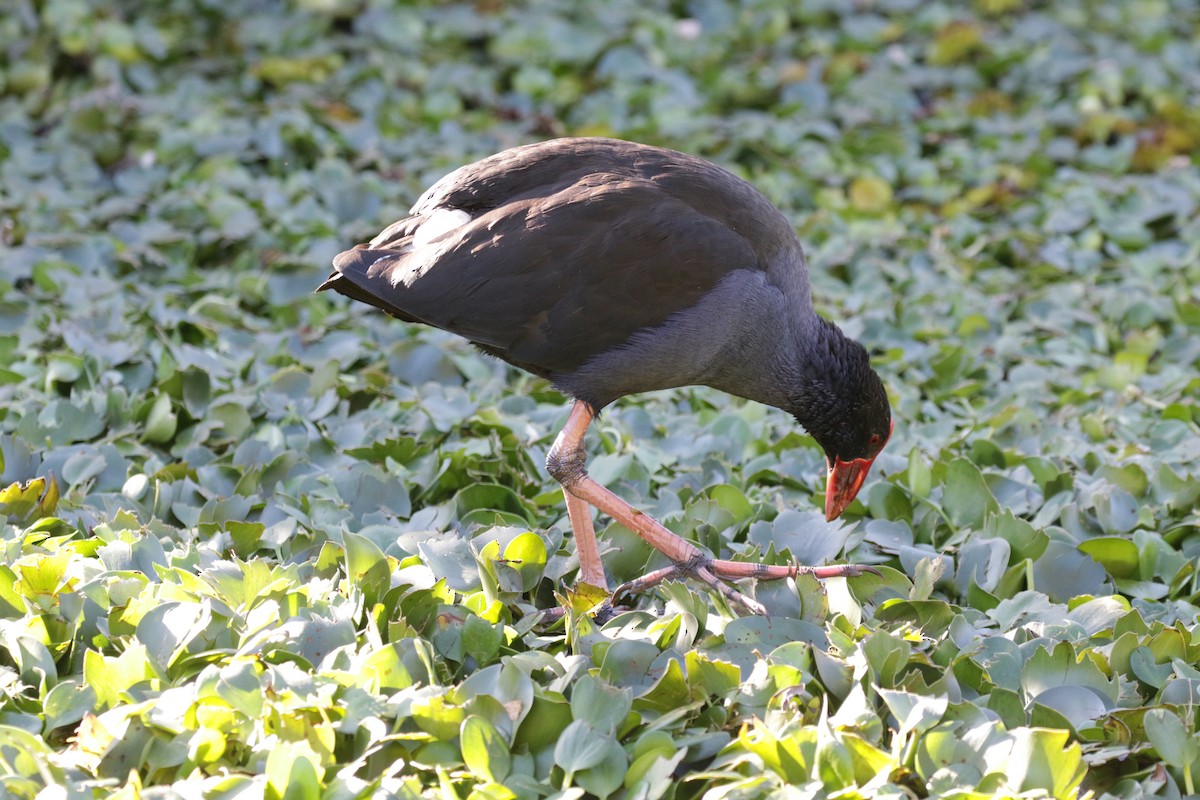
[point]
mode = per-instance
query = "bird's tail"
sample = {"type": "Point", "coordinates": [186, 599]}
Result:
{"type": "Point", "coordinates": [353, 276]}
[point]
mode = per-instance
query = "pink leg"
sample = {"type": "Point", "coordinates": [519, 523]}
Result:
{"type": "Point", "coordinates": [567, 463]}
{"type": "Point", "coordinates": [591, 570]}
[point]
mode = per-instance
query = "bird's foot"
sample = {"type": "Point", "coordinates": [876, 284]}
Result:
{"type": "Point", "coordinates": [600, 614]}
{"type": "Point", "coordinates": [714, 573]}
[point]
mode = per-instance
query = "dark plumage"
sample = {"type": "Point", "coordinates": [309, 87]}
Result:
{"type": "Point", "coordinates": [611, 268]}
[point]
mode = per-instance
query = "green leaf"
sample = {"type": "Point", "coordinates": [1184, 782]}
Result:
{"type": "Point", "coordinates": [608, 775]}
{"type": "Point", "coordinates": [68, 703]}
{"type": "Point", "coordinates": [27, 756]}
{"type": "Point", "coordinates": [161, 422]}
{"type": "Point", "coordinates": [604, 707]}
{"type": "Point", "coordinates": [920, 477]}
{"type": "Point", "coordinates": [966, 498]}
{"type": "Point", "coordinates": [914, 712]}
{"type": "Point", "coordinates": [1171, 738]}
{"type": "Point", "coordinates": [548, 717]}
{"type": "Point", "coordinates": [1119, 557]}
{"type": "Point", "coordinates": [111, 677]}
{"type": "Point", "coordinates": [366, 566]}
{"type": "Point", "coordinates": [388, 668]}
{"type": "Point", "coordinates": [484, 751]}
{"type": "Point", "coordinates": [1047, 760]}
{"type": "Point", "coordinates": [167, 630]}
{"type": "Point", "coordinates": [581, 746]}
{"type": "Point", "coordinates": [870, 194]}
{"type": "Point", "coordinates": [481, 639]}
{"type": "Point", "coordinates": [293, 772]}
{"type": "Point", "coordinates": [526, 554]}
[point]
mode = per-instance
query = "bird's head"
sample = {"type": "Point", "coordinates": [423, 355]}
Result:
{"type": "Point", "coordinates": [844, 406]}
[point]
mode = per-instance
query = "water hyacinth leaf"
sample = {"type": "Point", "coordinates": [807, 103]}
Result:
{"type": "Point", "coordinates": [526, 554]}
{"type": "Point", "coordinates": [18, 501]}
{"type": "Point", "coordinates": [494, 712]}
{"type": "Point", "coordinates": [732, 500]}
{"type": "Point", "coordinates": [547, 718]}
{"type": "Point", "coordinates": [671, 690]}
{"type": "Point", "coordinates": [484, 751]}
{"type": "Point", "coordinates": [35, 662]}
{"type": "Point", "coordinates": [313, 639]}
{"type": "Point", "coordinates": [481, 639]}
{"type": "Point", "coordinates": [1023, 539]}
{"type": "Point", "coordinates": [914, 712]}
{"type": "Point", "coordinates": [161, 421]}
{"type": "Point", "coordinates": [1099, 614]}
{"type": "Point", "coordinates": [608, 775]}
{"type": "Point", "coordinates": [489, 498]}
{"type": "Point", "coordinates": [168, 629]}
{"type": "Point", "coordinates": [507, 683]}
{"type": "Point", "coordinates": [293, 772]}
{"type": "Point", "coordinates": [1172, 739]}
{"type": "Point", "coordinates": [111, 677]}
{"type": "Point", "coordinates": [981, 562]}
{"type": "Point", "coordinates": [874, 589]}
{"type": "Point", "coordinates": [366, 566]}
{"type": "Point", "coordinates": [926, 575]}
{"type": "Point", "coordinates": [1119, 557]}
{"type": "Point", "coordinates": [240, 685]}
{"type": "Point", "coordinates": [834, 764]}
{"type": "Point", "coordinates": [604, 707]}
{"type": "Point", "coordinates": [1116, 510]}
{"type": "Point", "coordinates": [805, 535]}
{"type": "Point", "coordinates": [1014, 247]}
{"type": "Point", "coordinates": [450, 559]}
{"type": "Point", "coordinates": [1063, 572]}
{"type": "Point", "coordinates": [1181, 691]}
{"type": "Point", "coordinates": [920, 476]}
{"type": "Point", "coordinates": [439, 716]}
{"type": "Point", "coordinates": [1046, 760]}
{"type": "Point", "coordinates": [581, 746]}
{"type": "Point", "coordinates": [27, 756]}
{"type": "Point", "coordinates": [966, 498]}
{"type": "Point", "coordinates": [767, 633]}
{"type": "Point", "coordinates": [1062, 666]}
{"type": "Point", "coordinates": [67, 703]}
{"type": "Point", "coordinates": [931, 617]}
{"type": "Point", "coordinates": [629, 663]}
{"type": "Point", "coordinates": [651, 774]}
{"type": "Point", "coordinates": [791, 757]}
{"type": "Point", "coordinates": [1144, 665]}
{"type": "Point", "coordinates": [1080, 705]}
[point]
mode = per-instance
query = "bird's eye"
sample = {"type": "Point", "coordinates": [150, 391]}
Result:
{"type": "Point", "coordinates": [875, 439]}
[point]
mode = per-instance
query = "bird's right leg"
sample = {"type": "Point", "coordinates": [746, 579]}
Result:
{"type": "Point", "coordinates": [567, 462]}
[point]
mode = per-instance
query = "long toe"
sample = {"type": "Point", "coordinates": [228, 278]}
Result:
{"type": "Point", "coordinates": [732, 570]}
{"type": "Point", "coordinates": [699, 569]}
{"type": "Point", "coordinates": [715, 572]}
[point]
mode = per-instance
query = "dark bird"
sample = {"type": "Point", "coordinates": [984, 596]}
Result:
{"type": "Point", "coordinates": [609, 268]}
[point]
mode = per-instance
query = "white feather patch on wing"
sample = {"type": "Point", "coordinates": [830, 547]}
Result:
{"type": "Point", "coordinates": [440, 222]}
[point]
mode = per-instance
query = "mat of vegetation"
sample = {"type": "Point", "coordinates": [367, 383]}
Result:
{"type": "Point", "coordinates": [261, 543]}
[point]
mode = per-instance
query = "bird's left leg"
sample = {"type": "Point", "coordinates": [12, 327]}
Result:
{"type": "Point", "coordinates": [591, 570]}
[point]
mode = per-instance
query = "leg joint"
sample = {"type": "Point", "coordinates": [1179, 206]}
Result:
{"type": "Point", "coordinates": [567, 466]}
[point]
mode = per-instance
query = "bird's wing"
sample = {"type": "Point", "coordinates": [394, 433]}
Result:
{"type": "Point", "coordinates": [549, 280]}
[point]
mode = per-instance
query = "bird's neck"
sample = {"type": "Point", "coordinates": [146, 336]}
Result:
{"type": "Point", "coordinates": [817, 392]}
{"type": "Point", "coordinates": [784, 363]}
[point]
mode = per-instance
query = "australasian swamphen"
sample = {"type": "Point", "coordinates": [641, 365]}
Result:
{"type": "Point", "coordinates": [610, 268]}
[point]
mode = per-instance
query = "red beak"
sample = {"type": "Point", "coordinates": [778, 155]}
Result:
{"type": "Point", "coordinates": [845, 479]}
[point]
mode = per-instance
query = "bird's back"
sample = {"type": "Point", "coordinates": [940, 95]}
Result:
{"type": "Point", "coordinates": [559, 255]}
